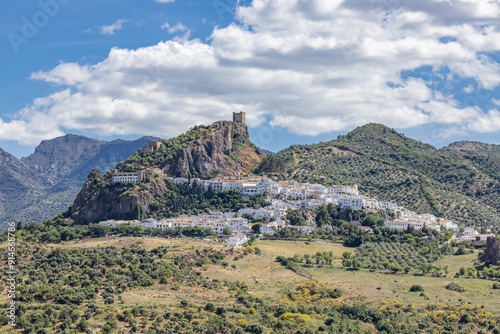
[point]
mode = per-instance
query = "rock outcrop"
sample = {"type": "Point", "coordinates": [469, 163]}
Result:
{"type": "Point", "coordinates": [219, 149]}
{"type": "Point", "coordinates": [492, 252]}
{"type": "Point", "coordinates": [225, 149]}
{"type": "Point", "coordinates": [94, 204]}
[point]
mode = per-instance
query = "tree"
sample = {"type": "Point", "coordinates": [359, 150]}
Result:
{"type": "Point", "coordinates": [83, 325]}
{"type": "Point", "coordinates": [227, 231]}
{"type": "Point", "coordinates": [346, 255]}
{"type": "Point", "coordinates": [272, 164]}
{"type": "Point", "coordinates": [323, 217]}
{"type": "Point", "coordinates": [373, 221]}
{"type": "Point", "coordinates": [210, 307]}
{"type": "Point", "coordinates": [346, 263]}
{"type": "Point", "coordinates": [256, 228]}
{"type": "Point", "coordinates": [94, 175]}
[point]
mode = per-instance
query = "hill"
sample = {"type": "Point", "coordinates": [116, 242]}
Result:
{"type": "Point", "coordinates": [203, 151]}
{"type": "Point", "coordinates": [489, 150]}
{"type": "Point", "coordinates": [450, 182]}
{"type": "Point", "coordinates": [43, 184]}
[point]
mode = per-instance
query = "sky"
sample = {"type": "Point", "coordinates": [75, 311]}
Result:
{"type": "Point", "coordinates": [304, 71]}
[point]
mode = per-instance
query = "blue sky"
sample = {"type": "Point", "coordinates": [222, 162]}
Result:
{"type": "Point", "coordinates": [304, 71]}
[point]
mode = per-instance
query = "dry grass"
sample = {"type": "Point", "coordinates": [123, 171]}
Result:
{"type": "Point", "coordinates": [267, 278]}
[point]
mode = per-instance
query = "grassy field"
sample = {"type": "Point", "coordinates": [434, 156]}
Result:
{"type": "Point", "coordinates": [269, 279]}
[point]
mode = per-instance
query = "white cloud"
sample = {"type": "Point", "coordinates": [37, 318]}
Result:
{"type": "Point", "coordinates": [112, 29]}
{"type": "Point", "coordinates": [496, 102]}
{"type": "Point", "coordinates": [312, 66]}
{"type": "Point", "coordinates": [174, 29]}
{"type": "Point", "coordinates": [64, 74]}
{"type": "Point", "coordinates": [469, 89]}
{"type": "Point", "coordinates": [489, 123]}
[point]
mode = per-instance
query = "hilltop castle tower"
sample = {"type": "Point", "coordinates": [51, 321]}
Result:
{"type": "Point", "coordinates": [239, 117]}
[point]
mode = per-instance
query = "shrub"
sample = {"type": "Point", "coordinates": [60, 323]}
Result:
{"type": "Point", "coordinates": [496, 285]}
{"type": "Point", "coordinates": [255, 328]}
{"type": "Point", "coordinates": [455, 287]}
{"type": "Point", "coordinates": [416, 288]}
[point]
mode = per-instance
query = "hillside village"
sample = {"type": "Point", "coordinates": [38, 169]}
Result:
{"type": "Point", "coordinates": [290, 195]}
{"type": "Point", "coordinates": [285, 196]}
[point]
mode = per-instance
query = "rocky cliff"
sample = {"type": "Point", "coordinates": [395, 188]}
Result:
{"type": "Point", "coordinates": [94, 203]}
{"type": "Point", "coordinates": [492, 252]}
{"type": "Point", "coordinates": [203, 151]}
{"type": "Point", "coordinates": [226, 148]}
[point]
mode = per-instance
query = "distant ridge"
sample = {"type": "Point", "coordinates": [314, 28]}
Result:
{"type": "Point", "coordinates": [267, 152]}
{"type": "Point", "coordinates": [39, 186]}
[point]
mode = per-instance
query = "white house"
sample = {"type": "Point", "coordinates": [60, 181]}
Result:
{"type": "Point", "coordinates": [475, 237]}
{"type": "Point", "coordinates": [305, 229]}
{"type": "Point", "coordinates": [149, 223]}
{"type": "Point", "coordinates": [470, 230]}
{"type": "Point", "coordinates": [237, 240]}
{"type": "Point", "coordinates": [247, 211]}
{"type": "Point", "coordinates": [125, 177]}
{"type": "Point", "coordinates": [351, 202]}
{"type": "Point", "coordinates": [112, 223]}
{"type": "Point", "coordinates": [267, 229]}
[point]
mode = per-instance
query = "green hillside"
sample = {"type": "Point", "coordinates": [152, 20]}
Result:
{"type": "Point", "coordinates": [203, 151]}
{"type": "Point", "coordinates": [450, 183]}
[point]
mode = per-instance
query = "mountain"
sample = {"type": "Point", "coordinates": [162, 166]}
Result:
{"type": "Point", "coordinates": [460, 182]}
{"type": "Point", "coordinates": [15, 181]}
{"type": "Point", "coordinates": [267, 152]}
{"type": "Point", "coordinates": [39, 186]}
{"type": "Point", "coordinates": [204, 151]}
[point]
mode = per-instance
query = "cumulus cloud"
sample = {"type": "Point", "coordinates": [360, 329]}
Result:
{"type": "Point", "coordinates": [113, 28]}
{"type": "Point", "coordinates": [312, 67]}
{"type": "Point", "coordinates": [174, 29]}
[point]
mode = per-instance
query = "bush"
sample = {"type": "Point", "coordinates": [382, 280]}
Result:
{"type": "Point", "coordinates": [255, 328]}
{"type": "Point", "coordinates": [416, 288]}
{"type": "Point", "coordinates": [496, 285]}
{"type": "Point", "coordinates": [455, 287]}
{"type": "Point", "coordinates": [109, 300]}
{"type": "Point", "coordinates": [210, 307]}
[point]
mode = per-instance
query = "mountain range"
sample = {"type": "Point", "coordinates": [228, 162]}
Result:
{"type": "Point", "coordinates": [460, 181]}
{"type": "Point", "coordinates": [44, 183]}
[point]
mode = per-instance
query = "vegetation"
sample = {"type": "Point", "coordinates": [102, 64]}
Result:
{"type": "Point", "coordinates": [458, 185]}
{"type": "Point", "coordinates": [271, 165]}
{"type": "Point", "coordinates": [172, 286]}
{"type": "Point", "coordinates": [401, 256]}
{"type": "Point", "coordinates": [167, 152]}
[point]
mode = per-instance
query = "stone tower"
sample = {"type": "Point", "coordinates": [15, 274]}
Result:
{"type": "Point", "coordinates": [239, 117]}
